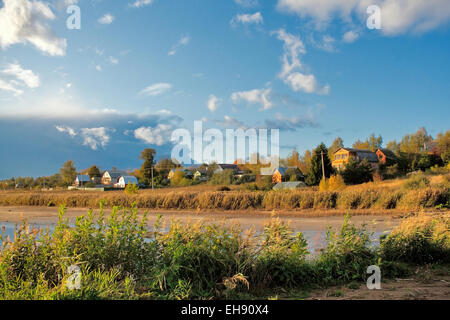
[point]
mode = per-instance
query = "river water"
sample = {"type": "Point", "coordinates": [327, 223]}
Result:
{"type": "Point", "coordinates": [316, 238]}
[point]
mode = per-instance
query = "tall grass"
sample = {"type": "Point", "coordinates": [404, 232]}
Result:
{"type": "Point", "coordinates": [119, 258]}
{"type": "Point", "coordinates": [367, 197]}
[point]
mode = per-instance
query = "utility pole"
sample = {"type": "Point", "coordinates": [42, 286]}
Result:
{"type": "Point", "coordinates": [152, 177]}
{"type": "Point", "coordinates": [323, 165]}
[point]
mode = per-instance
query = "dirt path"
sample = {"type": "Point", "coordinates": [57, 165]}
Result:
{"type": "Point", "coordinates": [45, 215]}
{"type": "Point", "coordinates": [424, 285]}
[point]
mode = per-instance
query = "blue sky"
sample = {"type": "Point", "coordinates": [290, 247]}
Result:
{"type": "Point", "coordinates": [137, 70]}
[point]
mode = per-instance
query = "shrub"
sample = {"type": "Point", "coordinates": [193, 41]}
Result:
{"type": "Point", "coordinates": [336, 183]}
{"type": "Point", "coordinates": [323, 185]}
{"type": "Point", "coordinates": [420, 239]}
{"type": "Point", "coordinates": [131, 189]}
{"type": "Point", "coordinates": [357, 172]}
{"type": "Point", "coordinates": [347, 255]}
{"type": "Point", "coordinates": [416, 181]}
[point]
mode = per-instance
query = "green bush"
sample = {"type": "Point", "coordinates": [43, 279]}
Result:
{"type": "Point", "coordinates": [416, 181]}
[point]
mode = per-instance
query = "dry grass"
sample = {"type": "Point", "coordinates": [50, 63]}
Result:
{"type": "Point", "coordinates": [368, 196]}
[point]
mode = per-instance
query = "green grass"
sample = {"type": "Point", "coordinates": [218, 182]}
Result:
{"type": "Point", "coordinates": [119, 258]}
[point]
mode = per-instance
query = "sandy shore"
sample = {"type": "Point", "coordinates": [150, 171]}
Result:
{"type": "Point", "coordinates": [303, 222]}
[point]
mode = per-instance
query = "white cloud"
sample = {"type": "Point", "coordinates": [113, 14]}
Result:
{"type": "Point", "coordinates": [255, 18]}
{"type": "Point", "coordinates": [24, 21]}
{"type": "Point", "coordinates": [106, 19]}
{"type": "Point", "coordinates": [184, 40]}
{"type": "Point", "coordinates": [230, 122]}
{"type": "Point", "coordinates": [141, 3]}
{"type": "Point", "coordinates": [213, 103]}
{"type": "Point", "coordinates": [8, 86]}
{"type": "Point", "coordinates": [98, 68]}
{"type": "Point", "coordinates": [350, 36]}
{"type": "Point", "coordinates": [247, 3]}
{"type": "Point", "coordinates": [95, 137]}
{"type": "Point", "coordinates": [292, 70]}
{"type": "Point", "coordinates": [397, 16]}
{"type": "Point", "coordinates": [113, 60]}
{"type": "Point", "coordinates": [66, 129]}
{"type": "Point", "coordinates": [156, 89]}
{"type": "Point", "coordinates": [158, 135]}
{"type": "Point", "coordinates": [30, 79]}
{"type": "Point", "coordinates": [14, 77]}
{"type": "Point", "coordinates": [256, 96]}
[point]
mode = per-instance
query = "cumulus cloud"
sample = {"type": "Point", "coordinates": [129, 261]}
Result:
{"type": "Point", "coordinates": [95, 137]}
{"type": "Point", "coordinates": [213, 103]}
{"type": "Point", "coordinates": [292, 70]}
{"type": "Point", "coordinates": [256, 96]}
{"type": "Point", "coordinates": [66, 129]}
{"type": "Point", "coordinates": [350, 36]}
{"type": "Point", "coordinates": [141, 3]}
{"type": "Point", "coordinates": [24, 21]}
{"type": "Point", "coordinates": [106, 19]}
{"type": "Point", "coordinates": [397, 16]}
{"type": "Point", "coordinates": [230, 122]}
{"type": "Point", "coordinates": [13, 78]}
{"type": "Point", "coordinates": [28, 77]}
{"type": "Point", "coordinates": [156, 89]}
{"type": "Point", "coordinates": [158, 135]}
{"type": "Point", "coordinates": [255, 18]}
{"type": "Point", "coordinates": [184, 40]}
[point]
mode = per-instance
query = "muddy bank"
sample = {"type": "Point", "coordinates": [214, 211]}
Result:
{"type": "Point", "coordinates": [300, 222]}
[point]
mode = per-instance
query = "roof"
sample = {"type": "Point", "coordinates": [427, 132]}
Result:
{"type": "Point", "coordinates": [116, 174]}
{"type": "Point", "coordinates": [388, 153]}
{"type": "Point", "coordinates": [289, 185]}
{"type": "Point", "coordinates": [362, 154]}
{"type": "Point", "coordinates": [129, 179]}
{"type": "Point", "coordinates": [83, 178]}
{"type": "Point", "coordinates": [226, 166]}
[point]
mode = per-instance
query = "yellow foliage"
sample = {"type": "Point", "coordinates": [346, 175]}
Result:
{"type": "Point", "coordinates": [336, 183]}
{"type": "Point", "coordinates": [323, 186]}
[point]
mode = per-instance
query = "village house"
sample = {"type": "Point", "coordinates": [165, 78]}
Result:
{"type": "Point", "coordinates": [186, 171]}
{"type": "Point", "coordinates": [81, 180]}
{"type": "Point", "coordinates": [200, 175]}
{"type": "Point", "coordinates": [225, 166]}
{"type": "Point", "coordinates": [386, 156]}
{"type": "Point", "coordinates": [112, 177]}
{"type": "Point", "coordinates": [343, 155]}
{"type": "Point", "coordinates": [123, 181]}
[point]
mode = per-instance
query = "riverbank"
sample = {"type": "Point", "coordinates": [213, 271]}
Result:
{"type": "Point", "coordinates": [304, 221]}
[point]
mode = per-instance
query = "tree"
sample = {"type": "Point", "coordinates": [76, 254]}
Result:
{"type": "Point", "coordinates": [94, 172]}
{"type": "Point", "coordinates": [293, 160]}
{"type": "Point", "coordinates": [335, 146]}
{"type": "Point", "coordinates": [443, 141]}
{"type": "Point", "coordinates": [148, 155]}
{"type": "Point", "coordinates": [315, 171]}
{"type": "Point", "coordinates": [68, 173]}
{"type": "Point", "coordinates": [357, 172]}
{"type": "Point", "coordinates": [372, 143]}
{"type": "Point", "coordinates": [305, 161]}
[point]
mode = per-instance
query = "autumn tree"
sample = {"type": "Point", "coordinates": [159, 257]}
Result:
{"type": "Point", "coordinates": [68, 173]}
{"type": "Point", "coordinates": [94, 172]}
{"type": "Point", "coordinates": [335, 146]}
{"type": "Point", "coordinates": [443, 141]}
{"type": "Point", "coordinates": [372, 143]}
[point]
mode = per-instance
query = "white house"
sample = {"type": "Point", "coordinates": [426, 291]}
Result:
{"type": "Point", "coordinates": [126, 180]}
{"type": "Point", "coordinates": [112, 177]}
{"type": "Point", "coordinates": [81, 180]}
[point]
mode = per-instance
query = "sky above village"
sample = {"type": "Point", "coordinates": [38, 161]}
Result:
{"type": "Point", "coordinates": [138, 69]}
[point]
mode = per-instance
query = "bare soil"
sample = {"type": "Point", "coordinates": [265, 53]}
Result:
{"type": "Point", "coordinates": [425, 284]}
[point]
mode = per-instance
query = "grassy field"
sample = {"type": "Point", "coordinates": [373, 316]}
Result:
{"type": "Point", "coordinates": [117, 258]}
{"type": "Point", "coordinates": [381, 196]}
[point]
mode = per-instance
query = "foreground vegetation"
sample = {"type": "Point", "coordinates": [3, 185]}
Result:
{"type": "Point", "coordinates": [119, 258]}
